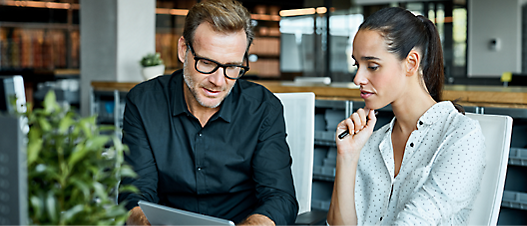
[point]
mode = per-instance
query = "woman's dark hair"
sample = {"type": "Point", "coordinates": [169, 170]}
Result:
{"type": "Point", "coordinates": [403, 31]}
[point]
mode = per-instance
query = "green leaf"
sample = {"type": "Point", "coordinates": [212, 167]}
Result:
{"type": "Point", "coordinates": [99, 190]}
{"type": "Point", "coordinates": [97, 143]}
{"type": "Point", "coordinates": [128, 188]}
{"type": "Point", "coordinates": [83, 187]}
{"type": "Point", "coordinates": [117, 144]}
{"type": "Point", "coordinates": [115, 211]}
{"type": "Point", "coordinates": [79, 152]}
{"type": "Point", "coordinates": [106, 128]}
{"type": "Point", "coordinates": [85, 125]}
{"type": "Point", "coordinates": [44, 124]}
{"type": "Point", "coordinates": [65, 123]}
{"type": "Point", "coordinates": [50, 102]}
{"type": "Point", "coordinates": [37, 203]}
{"type": "Point", "coordinates": [69, 214]}
{"type": "Point", "coordinates": [33, 149]}
{"type": "Point", "coordinates": [128, 172]}
{"type": "Point", "coordinates": [51, 206]}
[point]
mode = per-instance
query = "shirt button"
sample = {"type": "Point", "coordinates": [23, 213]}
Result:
{"type": "Point", "coordinates": [199, 134]}
{"type": "Point", "coordinates": [411, 144]}
{"type": "Point", "coordinates": [380, 219]}
{"type": "Point", "coordinates": [420, 122]}
{"type": "Point", "coordinates": [199, 168]}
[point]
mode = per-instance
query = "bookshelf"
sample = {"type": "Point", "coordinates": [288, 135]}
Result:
{"type": "Point", "coordinates": [39, 36]}
{"type": "Point", "coordinates": [49, 38]}
{"type": "Point", "coordinates": [39, 40]}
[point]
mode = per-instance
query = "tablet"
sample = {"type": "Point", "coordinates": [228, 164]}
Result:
{"type": "Point", "coordinates": [164, 215]}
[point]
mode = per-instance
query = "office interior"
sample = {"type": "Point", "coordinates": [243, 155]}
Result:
{"type": "Point", "coordinates": [88, 53]}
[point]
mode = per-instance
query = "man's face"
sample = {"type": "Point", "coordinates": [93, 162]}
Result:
{"type": "Point", "coordinates": [209, 90]}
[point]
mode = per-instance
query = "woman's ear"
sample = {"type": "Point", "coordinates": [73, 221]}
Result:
{"type": "Point", "coordinates": [182, 49]}
{"type": "Point", "coordinates": [412, 62]}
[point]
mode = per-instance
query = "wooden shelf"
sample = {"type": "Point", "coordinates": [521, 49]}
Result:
{"type": "Point", "coordinates": [483, 96]}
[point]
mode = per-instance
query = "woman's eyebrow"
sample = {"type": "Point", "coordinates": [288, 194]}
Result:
{"type": "Point", "coordinates": [370, 58]}
{"type": "Point", "coordinates": [366, 58]}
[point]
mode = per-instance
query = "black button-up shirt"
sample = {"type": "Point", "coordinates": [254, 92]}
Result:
{"type": "Point", "coordinates": [238, 164]}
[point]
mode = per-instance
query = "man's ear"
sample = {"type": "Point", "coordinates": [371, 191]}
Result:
{"type": "Point", "coordinates": [412, 62]}
{"type": "Point", "coordinates": [182, 49]}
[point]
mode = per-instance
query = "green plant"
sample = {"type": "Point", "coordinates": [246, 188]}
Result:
{"type": "Point", "coordinates": [151, 60]}
{"type": "Point", "coordinates": [73, 168]}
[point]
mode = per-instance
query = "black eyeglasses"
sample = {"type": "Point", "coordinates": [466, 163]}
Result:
{"type": "Point", "coordinates": [208, 66]}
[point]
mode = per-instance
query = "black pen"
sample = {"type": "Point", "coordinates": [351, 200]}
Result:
{"type": "Point", "coordinates": [345, 133]}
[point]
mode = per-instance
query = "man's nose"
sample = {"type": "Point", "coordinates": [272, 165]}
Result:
{"type": "Point", "coordinates": [218, 77]}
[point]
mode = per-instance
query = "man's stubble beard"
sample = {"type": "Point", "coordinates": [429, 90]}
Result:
{"type": "Point", "coordinates": [190, 83]}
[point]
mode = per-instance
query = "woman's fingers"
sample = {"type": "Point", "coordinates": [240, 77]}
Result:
{"type": "Point", "coordinates": [359, 120]}
{"type": "Point", "coordinates": [350, 125]}
{"type": "Point", "coordinates": [355, 123]}
{"type": "Point", "coordinates": [372, 118]}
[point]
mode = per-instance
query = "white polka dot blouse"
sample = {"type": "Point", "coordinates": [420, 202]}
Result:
{"type": "Point", "coordinates": [440, 174]}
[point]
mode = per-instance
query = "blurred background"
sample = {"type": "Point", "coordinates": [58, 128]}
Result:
{"type": "Point", "coordinates": [41, 40]}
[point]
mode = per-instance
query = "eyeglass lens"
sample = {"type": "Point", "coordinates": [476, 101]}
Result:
{"type": "Point", "coordinates": [207, 66]}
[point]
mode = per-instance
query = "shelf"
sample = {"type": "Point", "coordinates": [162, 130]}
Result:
{"type": "Point", "coordinates": [331, 104]}
{"type": "Point", "coordinates": [518, 156]}
{"type": "Point", "coordinates": [325, 138]}
{"type": "Point", "coordinates": [320, 204]}
{"type": "Point", "coordinates": [34, 25]}
{"type": "Point", "coordinates": [513, 112]}
{"type": "Point", "coordinates": [324, 173]}
{"type": "Point", "coordinates": [515, 200]}
{"type": "Point", "coordinates": [40, 4]}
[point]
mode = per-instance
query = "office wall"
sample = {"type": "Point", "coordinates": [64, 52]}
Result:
{"type": "Point", "coordinates": [136, 37]}
{"type": "Point", "coordinates": [115, 34]}
{"type": "Point", "coordinates": [493, 20]}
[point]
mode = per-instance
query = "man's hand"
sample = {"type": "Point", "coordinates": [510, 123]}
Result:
{"type": "Point", "coordinates": [137, 217]}
{"type": "Point", "coordinates": [258, 219]}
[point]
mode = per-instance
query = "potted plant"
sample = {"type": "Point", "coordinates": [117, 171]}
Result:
{"type": "Point", "coordinates": [152, 66]}
{"type": "Point", "coordinates": [73, 168]}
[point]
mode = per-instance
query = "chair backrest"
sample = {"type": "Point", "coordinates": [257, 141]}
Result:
{"type": "Point", "coordinates": [497, 130]}
{"type": "Point", "coordinates": [299, 114]}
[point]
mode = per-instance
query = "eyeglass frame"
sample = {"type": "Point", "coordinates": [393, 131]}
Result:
{"type": "Point", "coordinates": [218, 64]}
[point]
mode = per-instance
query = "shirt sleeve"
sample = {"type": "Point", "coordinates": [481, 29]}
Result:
{"type": "Point", "coordinates": [272, 171]}
{"type": "Point", "coordinates": [140, 157]}
{"type": "Point", "coordinates": [453, 181]}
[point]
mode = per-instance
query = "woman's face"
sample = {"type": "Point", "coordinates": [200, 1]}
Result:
{"type": "Point", "coordinates": [380, 74]}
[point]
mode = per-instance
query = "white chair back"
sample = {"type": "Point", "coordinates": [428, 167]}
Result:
{"type": "Point", "coordinates": [299, 114]}
{"type": "Point", "coordinates": [497, 130]}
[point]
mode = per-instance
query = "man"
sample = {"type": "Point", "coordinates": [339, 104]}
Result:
{"type": "Point", "coordinates": [203, 141]}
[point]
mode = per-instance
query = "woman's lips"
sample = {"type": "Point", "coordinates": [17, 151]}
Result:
{"type": "Point", "coordinates": [365, 94]}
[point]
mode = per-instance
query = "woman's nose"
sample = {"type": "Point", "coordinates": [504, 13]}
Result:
{"type": "Point", "coordinates": [360, 78]}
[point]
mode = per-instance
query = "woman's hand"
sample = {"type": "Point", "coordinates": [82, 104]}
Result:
{"type": "Point", "coordinates": [359, 129]}
{"type": "Point", "coordinates": [342, 208]}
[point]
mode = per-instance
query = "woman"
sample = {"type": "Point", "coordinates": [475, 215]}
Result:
{"type": "Point", "coordinates": [424, 167]}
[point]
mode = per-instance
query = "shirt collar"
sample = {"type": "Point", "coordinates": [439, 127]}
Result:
{"type": "Point", "coordinates": [435, 113]}
{"type": "Point", "coordinates": [176, 92]}
{"type": "Point", "coordinates": [431, 116]}
{"type": "Point", "coordinates": [180, 106]}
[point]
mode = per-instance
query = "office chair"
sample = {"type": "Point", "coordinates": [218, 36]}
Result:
{"type": "Point", "coordinates": [497, 130]}
{"type": "Point", "coordinates": [299, 114]}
